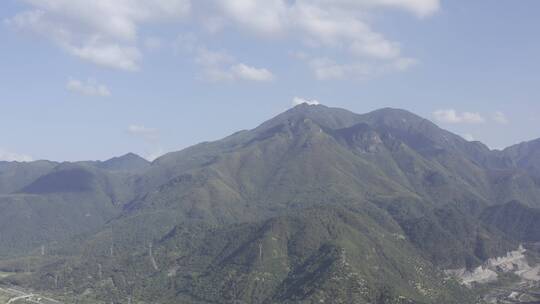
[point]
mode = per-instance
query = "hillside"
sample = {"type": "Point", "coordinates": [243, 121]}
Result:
{"type": "Point", "coordinates": [46, 202]}
{"type": "Point", "coordinates": [314, 205]}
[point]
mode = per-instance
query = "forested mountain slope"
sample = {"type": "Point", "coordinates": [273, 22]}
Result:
{"type": "Point", "coordinates": [316, 204]}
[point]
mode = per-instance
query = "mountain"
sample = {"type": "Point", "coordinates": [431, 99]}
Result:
{"type": "Point", "coordinates": [516, 220]}
{"type": "Point", "coordinates": [324, 254]}
{"type": "Point", "coordinates": [45, 202]}
{"type": "Point", "coordinates": [315, 205]}
{"type": "Point", "coordinates": [128, 162]}
{"type": "Point", "coordinates": [16, 175]}
{"type": "Point", "coordinates": [525, 156]}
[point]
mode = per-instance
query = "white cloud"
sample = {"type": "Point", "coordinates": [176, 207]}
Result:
{"type": "Point", "coordinates": [500, 117]}
{"type": "Point", "coordinates": [106, 32]}
{"type": "Point", "coordinates": [219, 66]}
{"type": "Point", "coordinates": [108, 55]}
{"type": "Point", "coordinates": [337, 25]}
{"type": "Point", "coordinates": [146, 133]}
{"type": "Point", "coordinates": [324, 19]}
{"type": "Point", "coordinates": [266, 17]}
{"type": "Point", "coordinates": [468, 137]}
{"type": "Point", "coordinates": [328, 69]}
{"type": "Point", "coordinates": [89, 88]}
{"type": "Point", "coordinates": [453, 117]}
{"type": "Point", "coordinates": [421, 8]}
{"type": "Point", "coordinates": [236, 72]}
{"type": "Point", "coordinates": [103, 32]}
{"type": "Point", "coordinates": [245, 72]}
{"type": "Point", "coordinates": [208, 58]}
{"type": "Point", "coordinates": [298, 101]}
{"type": "Point", "coordinates": [328, 26]}
{"type": "Point", "coordinates": [12, 156]}
{"type": "Point", "coordinates": [340, 26]}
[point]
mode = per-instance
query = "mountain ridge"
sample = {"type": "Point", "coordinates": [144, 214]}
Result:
{"type": "Point", "coordinates": [195, 222]}
{"type": "Point", "coordinates": [301, 108]}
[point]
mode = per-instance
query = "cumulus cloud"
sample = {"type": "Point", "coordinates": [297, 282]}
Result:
{"type": "Point", "coordinates": [88, 88]}
{"type": "Point", "coordinates": [329, 21]}
{"type": "Point", "coordinates": [337, 25]}
{"type": "Point", "coordinates": [95, 48]}
{"type": "Point", "coordinates": [101, 31]}
{"type": "Point", "coordinates": [108, 55]}
{"type": "Point", "coordinates": [12, 156]}
{"type": "Point", "coordinates": [451, 116]}
{"type": "Point", "coordinates": [329, 69]}
{"type": "Point", "coordinates": [342, 27]}
{"type": "Point", "coordinates": [237, 72]}
{"type": "Point", "coordinates": [267, 17]}
{"type": "Point", "coordinates": [421, 8]}
{"type": "Point", "coordinates": [298, 101]}
{"type": "Point", "coordinates": [500, 118]}
{"type": "Point", "coordinates": [245, 72]}
{"type": "Point", "coordinates": [219, 66]}
{"type": "Point", "coordinates": [107, 32]}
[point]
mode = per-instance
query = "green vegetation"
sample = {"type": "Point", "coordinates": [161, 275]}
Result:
{"type": "Point", "coordinates": [5, 274]}
{"type": "Point", "coordinates": [316, 205]}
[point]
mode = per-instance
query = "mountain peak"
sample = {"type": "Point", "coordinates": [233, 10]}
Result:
{"type": "Point", "coordinates": [306, 105]}
{"type": "Point", "coordinates": [337, 118]}
{"type": "Point", "coordinates": [126, 162]}
{"type": "Point", "coordinates": [387, 115]}
{"type": "Point", "coordinates": [130, 155]}
{"type": "Point", "coordinates": [305, 108]}
{"type": "Point", "coordinates": [334, 118]}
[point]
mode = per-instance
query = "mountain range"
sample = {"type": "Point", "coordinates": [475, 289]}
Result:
{"type": "Point", "coordinates": [316, 205]}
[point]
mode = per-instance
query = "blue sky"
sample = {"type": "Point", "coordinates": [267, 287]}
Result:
{"type": "Point", "coordinates": [94, 79]}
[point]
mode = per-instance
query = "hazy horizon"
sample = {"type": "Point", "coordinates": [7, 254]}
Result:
{"type": "Point", "coordinates": [295, 103]}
